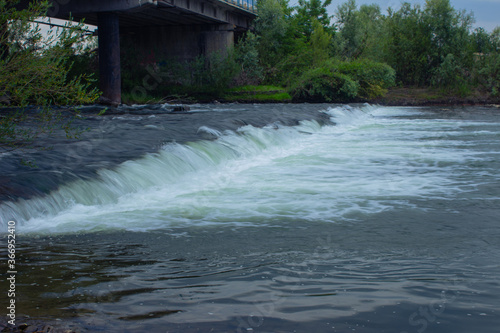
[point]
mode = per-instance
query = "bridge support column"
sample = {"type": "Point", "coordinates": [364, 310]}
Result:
{"type": "Point", "coordinates": [218, 38]}
{"type": "Point", "coordinates": [109, 57]}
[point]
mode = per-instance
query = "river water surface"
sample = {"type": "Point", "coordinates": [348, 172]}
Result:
{"type": "Point", "coordinates": [385, 219]}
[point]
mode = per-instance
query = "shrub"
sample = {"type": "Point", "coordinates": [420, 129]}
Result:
{"type": "Point", "coordinates": [373, 77]}
{"type": "Point", "coordinates": [342, 81]}
{"type": "Point", "coordinates": [324, 85]}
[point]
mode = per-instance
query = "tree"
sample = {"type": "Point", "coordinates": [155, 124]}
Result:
{"type": "Point", "coordinates": [373, 35]}
{"type": "Point", "coordinates": [482, 41]}
{"type": "Point", "coordinates": [34, 72]}
{"type": "Point", "coordinates": [349, 37]}
{"type": "Point", "coordinates": [309, 11]}
{"type": "Point", "coordinates": [449, 32]}
{"type": "Point", "coordinates": [495, 38]}
{"type": "Point", "coordinates": [409, 45]}
{"type": "Point", "coordinates": [247, 56]}
{"type": "Point", "coordinates": [360, 31]}
{"type": "Point", "coordinates": [320, 43]}
{"type": "Point", "coordinates": [489, 64]}
{"type": "Point", "coordinates": [271, 26]}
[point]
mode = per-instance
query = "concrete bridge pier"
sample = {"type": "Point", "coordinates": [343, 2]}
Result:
{"type": "Point", "coordinates": [109, 57]}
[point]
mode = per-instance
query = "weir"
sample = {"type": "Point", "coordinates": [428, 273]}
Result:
{"type": "Point", "coordinates": [181, 29]}
{"type": "Point", "coordinates": [384, 216]}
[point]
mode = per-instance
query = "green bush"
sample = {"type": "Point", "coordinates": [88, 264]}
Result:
{"type": "Point", "coordinates": [373, 77]}
{"type": "Point", "coordinates": [342, 81]}
{"type": "Point", "coordinates": [324, 85]}
{"type": "Point", "coordinates": [217, 71]}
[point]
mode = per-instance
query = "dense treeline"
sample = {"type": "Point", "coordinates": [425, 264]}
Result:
{"type": "Point", "coordinates": [355, 51]}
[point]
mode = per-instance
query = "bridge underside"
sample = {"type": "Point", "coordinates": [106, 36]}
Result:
{"type": "Point", "coordinates": [139, 13]}
{"type": "Point", "coordinates": [182, 29]}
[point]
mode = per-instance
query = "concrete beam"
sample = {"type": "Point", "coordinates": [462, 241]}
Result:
{"type": "Point", "coordinates": [61, 8]}
{"type": "Point", "coordinates": [155, 12]}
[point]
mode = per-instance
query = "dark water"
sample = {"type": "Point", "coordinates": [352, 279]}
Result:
{"type": "Point", "coordinates": [387, 221]}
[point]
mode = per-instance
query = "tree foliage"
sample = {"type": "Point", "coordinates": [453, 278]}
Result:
{"type": "Point", "coordinates": [34, 71]}
{"type": "Point", "coordinates": [247, 55]}
{"type": "Point", "coordinates": [349, 22]}
{"type": "Point", "coordinates": [271, 26]}
{"type": "Point", "coordinates": [310, 11]}
{"type": "Point", "coordinates": [429, 45]}
{"type": "Point", "coordinates": [421, 41]}
{"type": "Point", "coordinates": [320, 43]}
{"type": "Point", "coordinates": [324, 84]}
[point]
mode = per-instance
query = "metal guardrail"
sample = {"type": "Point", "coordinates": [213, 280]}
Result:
{"type": "Point", "coordinates": [249, 5]}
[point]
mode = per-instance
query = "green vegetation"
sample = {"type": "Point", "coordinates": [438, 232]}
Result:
{"type": "Point", "coordinates": [36, 71]}
{"type": "Point", "coordinates": [355, 55]}
{"type": "Point", "coordinates": [341, 81]}
{"type": "Point", "coordinates": [256, 94]}
{"type": "Point", "coordinates": [202, 79]}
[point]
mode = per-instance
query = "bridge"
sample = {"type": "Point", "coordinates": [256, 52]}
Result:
{"type": "Point", "coordinates": [174, 28]}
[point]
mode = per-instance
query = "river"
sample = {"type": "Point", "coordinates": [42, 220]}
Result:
{"type": "Point", "coordinates": [262, 218]}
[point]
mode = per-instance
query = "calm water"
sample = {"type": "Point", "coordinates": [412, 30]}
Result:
{"type": "Point", "coordinates": [385, 220]}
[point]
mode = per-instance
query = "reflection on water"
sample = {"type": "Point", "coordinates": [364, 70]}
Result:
{"type": "Point", "coordinates": [387, 221]}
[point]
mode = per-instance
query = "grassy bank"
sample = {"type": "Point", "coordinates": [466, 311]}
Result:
{"type": "Point", "coordinates": [257, 94]}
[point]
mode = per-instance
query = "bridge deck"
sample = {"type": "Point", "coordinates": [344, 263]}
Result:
{"type": "Point", "coordinates": [135, 13]}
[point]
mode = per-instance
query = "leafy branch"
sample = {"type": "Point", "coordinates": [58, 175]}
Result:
{"type": "Point", "coordinates": [34, 77]}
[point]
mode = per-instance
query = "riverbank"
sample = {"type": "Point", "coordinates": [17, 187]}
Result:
{"type": "Point", "coordinates": [410, 96]}
{"type": "Point", "coordinates": [397, 96]}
